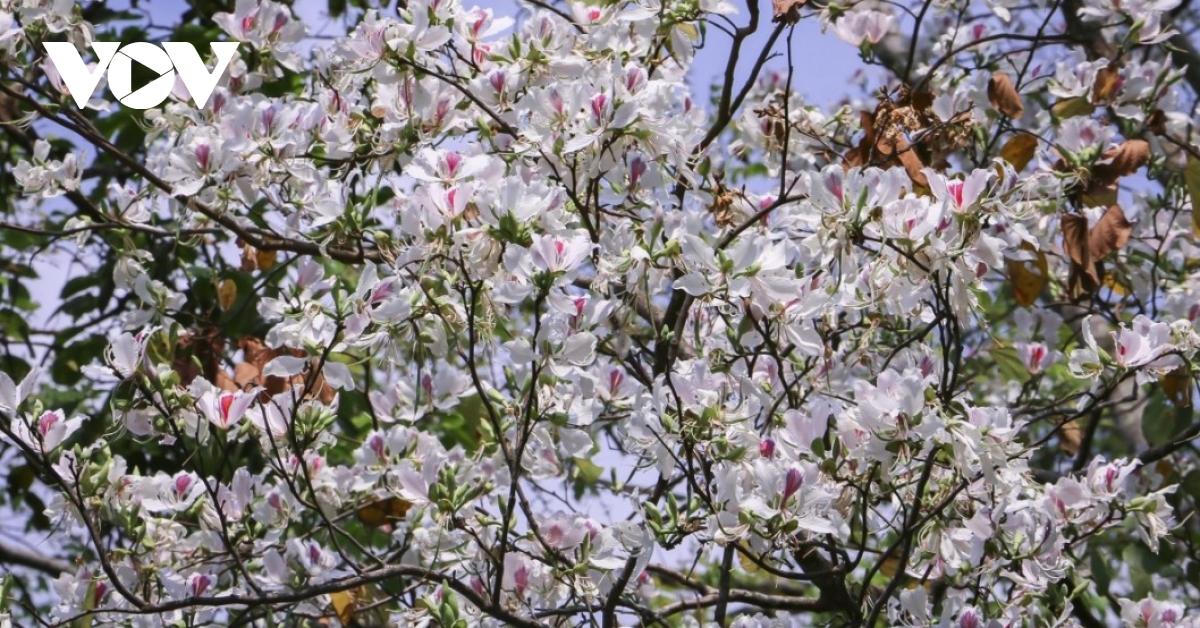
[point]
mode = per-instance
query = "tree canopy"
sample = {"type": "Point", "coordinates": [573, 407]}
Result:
{"type": "Point", "coordinates": [458, 316]}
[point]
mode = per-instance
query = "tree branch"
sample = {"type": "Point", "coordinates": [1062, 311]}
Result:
{"type": "Point", "coordinates": [26, 557]}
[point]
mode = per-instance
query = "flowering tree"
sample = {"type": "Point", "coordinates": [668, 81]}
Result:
{"type": "Point", "coordinates": [463, 319]}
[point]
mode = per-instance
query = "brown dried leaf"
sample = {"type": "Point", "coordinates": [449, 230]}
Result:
{"type": "Point", "coordinates": [787, 11]}
{"type": "Point", "coordinates": [1082, 278]}
{"type": "Point", "coordinates": [1108, 82]}
{"type": "Point", "coordinates": [922, 101]}
{"type": "Point", "coordinates": [384, 511]}
{"type": "Point", "coordinates": [1070, 437]}
{"type": "Point", "coordinates": [1177, 386]}
{"type": "Point", "coordinates": [249, 259]}
{"type": "Point", "coordinates": [1111, 233]}
{"type": "Point", "coordinates": [912, 163]}
{"type": "Point", "coordinates": [225, 382]}
{"type": "Point", "coordinates": [1019, 150]}
{"type": "Point", "coordinates": [853, 159]}
{"type": "Point", "coordinates": [257, 354]}
{"type": "Point", "coordinates": [1027, 277]}
{"type": "Point", "coordinates": [1004, 96]}
{"type": "Point", "coordinates": [1122, 160]}
{"type": "Point", "coordinates": [198, 355]}
{"type": "Point", "coordinates": [1075, 238]}
{"type": "Point", "coordinates": [246, 374]}
{"type": "Point", "coordinates": [1157, 122]}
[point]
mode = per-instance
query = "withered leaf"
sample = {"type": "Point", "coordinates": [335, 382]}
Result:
{"type": "Point", "coordinates": [198, 354]}
{"type": "Point", "coordinates": [384, 511]}
{"type": "Point", "coordinates": [1157, 122]}
{"type": "Point", "coordinates": [786, 11]}
{"type": "Point", "coordinates": [1111, 232]}
{"type": "Point", "coordinates": [1117, 285]}
{"type": "Point", "coordinates": [1108, 82]}
{"type": "Point", "coordinates": [1082, 278]}
{"type": "Point", "coordinates": [1027, 277]}
{"type": "Point", "coordinates": [225, 382]}
{"type": "Point", "coordinates": [345, 603]}
{"type": "Point", "coordinates": [1177, 386]}
{"type": "Point", "coordinates": [1004, 97]}
{"type": "Point", "coordinates": [1070, 437]}
{"type": "Point", "coordinates": [245, 374]}
{"type": "Point", "coordinates": [226, 294]}
{"type": "Point", "coordinates": [1099, 194]}
{"type": "Point", "coordinates": [1191, 179]}
{"type": "Point", "coordinates": [1072, 107]}
{"type": "Point", "coordinates": [853, 159]}
{"type": "Point", "coordinates": [1019, 150]}
{"type": "Point", "coordinates": [1086, 249]}
{"type": "Point", "coordinates": [258, 354]}
{"type": "Point", "coordinates": [922, 101]}
{"type": "Point", "coordinates": [912, 163]}
{"type": "Point", "coordinates": [265, 259]}
{"type": "Point", "coordinates": [1075, 238]}
{"type": "Point", "coordinates": [1122, 160]}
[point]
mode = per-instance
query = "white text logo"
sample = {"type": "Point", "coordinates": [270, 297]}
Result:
{"type": "Point", "coordinates": [173, 56]}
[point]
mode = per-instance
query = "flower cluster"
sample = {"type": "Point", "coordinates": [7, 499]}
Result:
{"type": "Point", "coordinates": [466, 320]}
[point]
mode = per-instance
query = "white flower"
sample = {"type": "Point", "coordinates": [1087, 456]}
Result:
{"type": "Point", "coordinates": [856, 26]}
{"type": "Point", "coordinates": [11, 395]}
{"type": "Point", "coordinates": [223, 408]}
{"type": "Point", "coordinates": [1143, 343]}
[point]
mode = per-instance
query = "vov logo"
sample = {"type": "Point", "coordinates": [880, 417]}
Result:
{"type": "Point", "coordinates": [173, 56]}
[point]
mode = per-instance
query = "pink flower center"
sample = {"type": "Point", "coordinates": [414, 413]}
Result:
{"type": "Point", "coordinates": [497, 81]}
{"type": "Point", "coordinates": [521, 578]}
{"type": "Point", "coordinates": [47, 422]}
{"type": "Point", "coordinates": [183, 481]}
{"type": "Point", "coordinates": [452, 162]}
{"type": "Point", "coordinates": [598, 103]}
{"type": "Point", "coordinates": [615, 377]}
{"type": "Point", "coordinates": [200, 584]}
{"type": "Point", "coordinates": [226, 403]}
{"type": "Point", "coordinates": [377, 446]}
{"type": "Point", "coordinates": [956, 192]}
{"type": "Point", "coordinates": [203, 154]}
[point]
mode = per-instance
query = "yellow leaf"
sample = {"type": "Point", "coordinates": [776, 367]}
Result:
{"type": "Point", "coordinates": [384, 511]}
{"type": "Point", "coordinates": [748, 565]}
{"type": "Point", "coordinates": [1072, 107]}
{"type": "Point", "coordinates": [1114, 284]}
{"type": "Point", "coordinates": [1191, 176]}
{"type": "Point", "coordinates": [226, 294]}
{"type": "Point", "coordinates": [1177, 386]}
{"type": "Point", "coordinates": [265, 259]}
{"type": "Point", "coordinates": [344, 604]}
{"type": "Point", "coordinates": [889, 566]}
{"type": "Point", "coordinates": [1070, 437]}
{"type": "Point", "coordinates": [1027, 277]}
{"type": "Point", "coordinates": [1019, 150]}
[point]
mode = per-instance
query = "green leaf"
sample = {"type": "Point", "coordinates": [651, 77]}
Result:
{"type": "Point", "coordinates": [1162, 421]}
